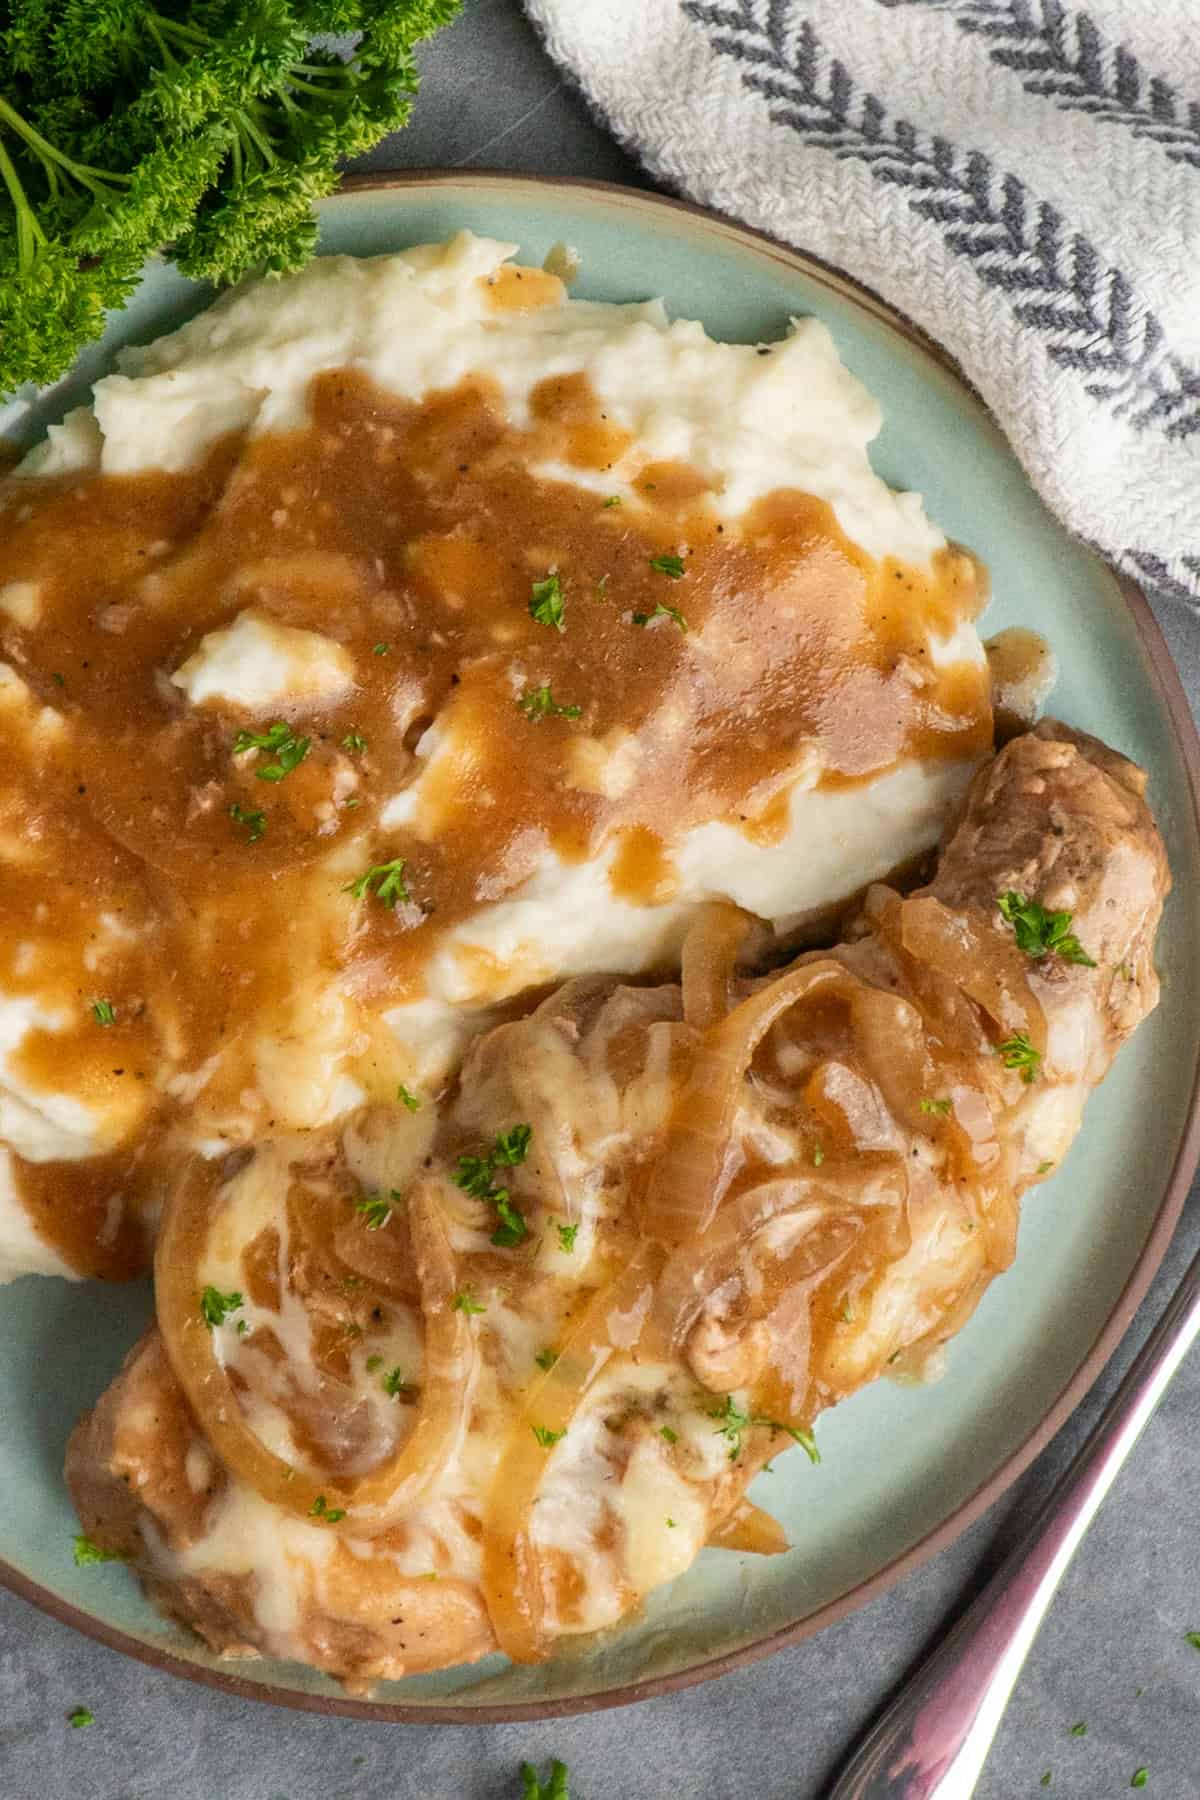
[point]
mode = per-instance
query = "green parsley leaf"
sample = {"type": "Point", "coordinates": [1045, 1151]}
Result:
{"type": "Point", "coordinates": [545, 1437]}
{"type": "Point", "coordinates": [566, 1237]}
{"type": "Point", "coordinates": [733, 1422]}
{"type": "Point", "coordinates": [376, 1209]}
{"type": "Point", "coordinates": [289, 750]}
{"type": "Point", "coordinates": [380, 649]}
{"type": "Point", "coordinates": [670, 1524]}
{"type": "Point", "coordinates": [355, 743]}
{"type": "Point", "coordinates": [546, 603]}
{"type": "Point", "coordinates": [938, 1107]}
{"type": "Point", "coordinates": [1079, 1730]}
{"type": "Point", "coordinates": [1045, 1781]}
{"type": "Point", "coordinates": [104, 1012]}
{"type": "Point", "coordinates": [846, 1310]}
{"type": "Point", "coordinates": [86, 1553]}
{"type": "Point", "coordinates": [1193, 1638]}
{"type": "Point", "coordinates": [80, 1717]}
{"type": "Point", "coordinates": [385, 880]}
{"type": "Point", "coordinates": [1017, 1052]}
{"type": "Point", "coordinates": [394, 1383]}
{"type": "Point", "coordinates": [662, 612]}
{"type": "Point", "coordinates": [214, 1306]}
{"type": "Point", "coordinates": [1044, 1168]}
{"type": "Point", "coordinates": [408, 1098]}
{"type": "Point", "coordinates": [613, 500]}
{"type": "Point", "coordinates": [546, 1359]}
{"type": "Point", "coordinates": [465, 1302]}
{"type": "Point", "coordinates": [255, 822]}
{"type": "Point", "coordinates": [539, 703]}
{"type": "Point", "coordinates": [512, 1229]}
{"type": "Point", "coordinates": [671, 566]}
{"type": "Point", "coordinates": [672, 1437]}
{"type": "Point", "coordinates": [1040, 933]}
{"type": "Point", "coordinates": [555, 1788]}
{"type": "Point", "coordinates": [512, 1146]}
{"type": "Point", "coordinates": [373, 1363]}
{"type": "Point", "coordinates": [329, 1514]}
{"type": "Point", "coordinates": [473, 1174]}
{"type": "Point", "coordinates": [1140, 1778]}
{"type": "Point", "coordinates": [818, 1156]}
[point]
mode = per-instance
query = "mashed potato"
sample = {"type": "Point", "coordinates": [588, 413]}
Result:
{"type": "Point", "coordinates": [400, 637]}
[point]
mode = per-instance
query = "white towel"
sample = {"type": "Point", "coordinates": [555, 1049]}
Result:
{"type": "Point", "coordinates": [1020, 177]}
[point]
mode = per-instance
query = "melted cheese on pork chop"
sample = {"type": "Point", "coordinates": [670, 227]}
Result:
{"type": "Point", "coordinates": [553, 620]}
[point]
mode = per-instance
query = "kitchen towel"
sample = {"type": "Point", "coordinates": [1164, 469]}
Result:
{"type": "Point", "coordinates": [1021, 178]}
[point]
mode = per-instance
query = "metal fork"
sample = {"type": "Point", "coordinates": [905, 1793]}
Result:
{"type": "Point", "coordinates": [933, 1740]}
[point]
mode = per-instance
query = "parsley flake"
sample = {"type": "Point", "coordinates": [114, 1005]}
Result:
{"type": "Point", "coordinates": [373, 1363]}
{"type": "Point", "coordinates": [86, 1553]}
{"type": "Point", "coordinates": [376, 1209]}
{"type": "Point", "coordinates": [670, 566]}
{"type": "Point", "coordinates": [545, 1437]}
{"type": "Point", "coordinates": [662, 612]}
{"type": "Point", "coordinates": [670, 1524]}
{"type": "Point", "coordinates": [1044, 1168]}
{"type": "Point", "coordinates": [512, 1229]}
{"type": "Point", "coordinates": [1040, 933]}
{"type": "Point", "coordinates": [475, 1173]}
{"type": "Point", "coordinates": [1045, 1781]}
{"type": "Point", "coordinates": [281, 741]}
{"type": "Point", "coordinates": [546, 603]}
{"type": "Point", "coordinates": [380, 649]}
{"type": "Point", "coordinates": [1140, 1778]}
{"type": "Point", "coordinates": [355, 743]}
{"type": "Point", "coordinates": [329, 1514]}
{"type": "Point", "coordinates": [407, 1098]}
{"type": "Point", "coordinates": [546, 1359]}
{"type": "Point", "coordinates": [613, 500]}
{"type": "Point", "coordinates": [566, 1237]}
{"type": "Point", "coordinates": [672, 1437]}
{"type": "Point", "coordinates": [539, 703]}
{"type": "Point", "coordinates": [818, 1156]}
{"type": "Point", "coordinates": [104, 1012]}
{"type": "Point", "coordinates": [254, 822]}
{"type": "Point", "coordinates": [1193, 1638]}
{"type": "Point", "coordinates": [80, 1717]}
{"type": "Point", "coordinates": [938, 1107]}
{"type": "Point", "coordinates": [1017, 1052]}
{"type": "Point", "coordinates": [1079, 1730]}
{"type": "Point", "coordinates": [215, 1306]}
{"type": "Point", "coordinates": [394, 1383]}
{"type": "Point", "coordinates": [554, 1789]}
{"type": "Point", "coordinates": [465, 1302]}
{"type": "Point", "coordinates": [384, 880]}
{"type": "Point", "coordinates": [733, 1422]}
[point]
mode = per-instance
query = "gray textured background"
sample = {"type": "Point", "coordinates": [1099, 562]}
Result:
{"type": "Point", "coordinates": [1112, 1653]}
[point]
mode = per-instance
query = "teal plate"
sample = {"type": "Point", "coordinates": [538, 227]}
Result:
{"type": "Point", "coordinates": [904, 1469]}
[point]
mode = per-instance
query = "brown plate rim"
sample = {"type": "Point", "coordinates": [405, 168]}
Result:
{"type": "Point", "coordinates": [1187, 1157]}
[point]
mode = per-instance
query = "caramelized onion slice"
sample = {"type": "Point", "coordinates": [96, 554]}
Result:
{"type": "Point", "coordinates": [710, 952]}
{"type": "Point", "coordinates": [751, 1530]}
{"type": "Point", "coordinates": [371, 1502]}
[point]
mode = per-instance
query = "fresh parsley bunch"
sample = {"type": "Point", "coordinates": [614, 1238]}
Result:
{"type": "Point", "coordinates": [204, 129]}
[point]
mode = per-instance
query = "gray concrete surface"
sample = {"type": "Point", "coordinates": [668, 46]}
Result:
{"type": "Point", "coordinates": [1112, 1654]}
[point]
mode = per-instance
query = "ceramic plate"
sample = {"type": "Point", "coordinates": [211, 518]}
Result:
{"type": "Point", "coordinates": [1091, 1237]}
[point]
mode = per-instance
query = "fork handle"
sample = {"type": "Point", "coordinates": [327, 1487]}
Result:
{"type": "Point", "coordinates": [933, 1740]}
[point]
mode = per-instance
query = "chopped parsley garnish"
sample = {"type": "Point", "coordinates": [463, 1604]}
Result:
{"type": "Point", "coordinates": [670, 1524]}
{"type": "Point", "coordinates": [1017, 1052]}
{"type": "Point", "coordinates": [545, 1437]}
{"type": "Point", "coordinates": [103, 1012]}
{"type": "Point", "coordinates": [407, 1098]}
{"type": "Point", "coordinates": [355, 743]}
{"type": "Point", "coordinates": [281, 741]}
{"type": "Point", "coordinates": [215, 1306]}
{"type": "Point", "coordinates": [733, 1422]}
{"type": "Point", "coordinates": [384, 880]}
{"type": "Point", "coordinates": [86, 1553]}
{"type": "Point", "coordinates": [546, 603]}
{"type": "Point", "coordinates": [376, 1209]}
{"type": "Point", "coordinates": [1140, 1778]}
{"type": "Point", "coordinates": [846, 1310]}
{"type": "Point", "coordinates": [539, 703]}
{"type": "Point", "coordinates": [1041, 933]}
{"type": "Point", "coordinates": [465, 1302]}
{"type": "Point", "coordinates": [380, 649]}
{"type": "Point", "coordinates": [1044, 1168]}
{"type": "Point", "coordinates": [373, 1363]}
{"type": "Point", "coordinates": [613, 500]}
{"type": "Point", "coordinates": [80, 1717]}
{"type": "Point", "coordinates": [394, 1383]}
{"type": "Point", "coordinates": [672, 1437]}
{"type": "Point", "coordinates": [546, 1359]}
{"type": "Point", "coordinates": [475, 1175]}
{"type": "Point", "coordinates": [662, 612]}
{"type": "Point", "coordinates": [1045, 1781]}
{"type": "Point", "coordinates": [330, 1514]}
{"type": "Point", "coordinates": [255, 822]}
{"type": "Point", "coordinates": [938, 1107]}
{"type": "Point", "coordinates": [554, 1789]}
{"type": "Point", "coordinates": [1079, 1730]}
{"type": "Point", "coordinates": [1193, 1638]}
{"type": "Point", "coordinates": [566, 1237]}
{"type": "Point", "coordinates": [671, 566]}
{"type": "Point", "coordinates": [818, 1156]}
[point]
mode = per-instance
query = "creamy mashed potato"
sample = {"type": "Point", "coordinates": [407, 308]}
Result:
{"type": "Point", "coordinates": [400, 637]}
